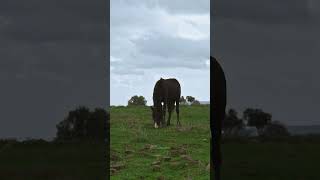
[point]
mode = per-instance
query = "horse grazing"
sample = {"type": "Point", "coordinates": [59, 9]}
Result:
{"type": "Point", "coordinates": [219, 99]}
{"type": "Point", "coordinates": [166, 91]}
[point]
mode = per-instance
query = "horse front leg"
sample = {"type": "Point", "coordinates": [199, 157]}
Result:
{"type": "Point", "coordinates": [169, 117]}
{"type": "Point", "coordinates": [164, 113]}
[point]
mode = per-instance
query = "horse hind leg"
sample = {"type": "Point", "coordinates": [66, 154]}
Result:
{"type": "Point", "coordinates": [177, 111]}
{"type": "Point", "coordinates": [169, 117]}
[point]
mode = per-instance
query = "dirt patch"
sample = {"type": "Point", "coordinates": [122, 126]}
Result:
{"type": "Point", "coordinates": [149, 147]}
{"type": "Point", "coordinates": [166, 158]}
{"type": "Point", "coordinates": [144, 154]}
{"type": "Point", "coordinates": [177, 151]}
{"type": "Point", "coordinates": [156, 163]}
{"type": "Point", "coordinates": [189, 159]}
{"type": "Point", "coordinates": [158, 157]}
{"type": "Point", "coordinates": [115, 156]}
{"type": "Point", "coordinates": [156, 168]}
{"type": "Point", "coordinates": [129, 151]}
{"type": "Point", "coordinates": [177, 164]}
{"type": "Point", "coordinates": [115, 167]}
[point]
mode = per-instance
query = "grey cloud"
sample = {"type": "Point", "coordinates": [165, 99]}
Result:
{"type": "Point", "coordinates": [123, 70]}
{"type": "Point", "coordinates": [173, 7]}
{"type": "Point", "coordinates": [174, 47]}
{"type": "Point", "coordinates": [52, 20]}
{"type": "Point", "coordinates": [53, 58]}
{"type": "Point", "coordinates": [272, 66]}
{"type": "Point", "coordinates": [183, 7]}
{"type": "Point", "coordinates": [69, 59]}
{"type": "Point", "coordinates": [138, 64]}
{"type": "Point", "coordinates": [145, 46]}
{"type": "Point", "coordinates": [271, 11]}
{"type": "Point", "coordinates": [156, 62]}
{"type": "Point", "coordinates": [150, 42]}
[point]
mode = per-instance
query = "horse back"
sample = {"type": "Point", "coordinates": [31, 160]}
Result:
{"type": "Point", "coordinates": [173, 89]}
{"type": "Point", "coordinates": [166, 89]}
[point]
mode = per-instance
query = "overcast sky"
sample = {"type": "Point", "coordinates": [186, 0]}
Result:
{"type": "Point", "coordinates": [52, 59]}
{"type": "Point", "coordinates": [270, 53]}
{"type": "Point", "coordinates": [53, 56]}
{"type": "Point", "coordinates": [151, 39]}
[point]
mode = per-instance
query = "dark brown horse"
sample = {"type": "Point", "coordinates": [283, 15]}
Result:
{"type": "Point", "coordinates": [166, 91]}
{"type": "Point", "coordinates": [218, 100]}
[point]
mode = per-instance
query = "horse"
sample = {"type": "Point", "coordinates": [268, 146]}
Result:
{"type": "Point", "coordinates": [166, 91]}
{"type": "Point", "coordinates": [219, 100]}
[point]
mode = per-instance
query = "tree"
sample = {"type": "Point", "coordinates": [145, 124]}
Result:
{"type": "Point", "coordinates": [183, 100]}
{"type": "Point", "coordinates": [232, 121]}
{"type": "Point", "coordinates": [64, 130]}
{"type": "Point", "coordinates": [73, 126]}
{"type": "Point", "coordinates": [190, 99]}
{"type": "Point", "coordinates": [195, 102]}
{"type": "Point", "coordinates": [275, 129]}
{"type": "Point", "coordinates": [79, 118]}
{"type": "Point", "coordinates": [137, 101]}
{"type": "Point", "coordinates": [256, 117]}
{"type": "Point", "coordinates": [81, 123]}
{"type": "Point", "coordinates": [97, 124]}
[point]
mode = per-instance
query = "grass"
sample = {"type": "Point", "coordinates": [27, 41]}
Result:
{"type": "Point", "coordinates": [288, 158]}
{"type": "Point", "coordinates": [52, 161]}
{"type": "Point", "coordinates": [292, 158]}
{"type": "Point", "coordinates": [135, 144]}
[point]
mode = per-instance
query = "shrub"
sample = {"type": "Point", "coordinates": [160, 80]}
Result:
{"type": "Point", "coordinates": [275, 129]}
{"type": "Point", "coordinates": [137, 100]}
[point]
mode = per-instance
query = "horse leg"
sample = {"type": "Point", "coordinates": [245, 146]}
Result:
{"type": "Point", "coordinates": [164, 109]}
{"type": "Point", "coordinates": [170, 108]}
{"type": "Point", "coordinates": [177, 111]}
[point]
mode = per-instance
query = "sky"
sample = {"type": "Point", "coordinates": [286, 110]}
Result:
{"type": "Point", "coordinates": [150, 39]}
{"type": "Point", "coordinates": [54, 56]}
{"type": "Point", "coordinates": [52, 59]}
{"type": "Point", "coordinates": [270, 54]}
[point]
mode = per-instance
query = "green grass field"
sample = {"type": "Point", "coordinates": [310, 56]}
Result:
{"type": "Point", "coordinates": [132, 134]}
{"type": "Point", "coordinates": [139, 151]}
{"type": "Point", "coordinates": [292, 158]}
{"type": "Point", "coordinates": [50, 161]}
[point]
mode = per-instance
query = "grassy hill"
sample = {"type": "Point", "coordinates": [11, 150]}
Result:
{"type": "Point", "coordinates": [138, 151]}
{"type": "Point", "coordinates": [51, 161]}
{"type": "Point", "coordinates": [290, 158]}
{"type": "Point", "coordinates": [136, 145]}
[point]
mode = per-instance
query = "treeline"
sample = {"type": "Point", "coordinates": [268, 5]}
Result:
{"type": "Point", "coordinates": [252, 117]}
{"type": "Point", "coordinates": [141, 101]}
{"type": "Point", "coordinates": [82, 123]}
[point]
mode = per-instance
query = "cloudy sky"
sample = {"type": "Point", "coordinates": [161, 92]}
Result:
{"type": "Point", "coordinates": [151, 39]}
{"type": "Point", "coordinates": [52, 59]}
{"type": "Point", "coordinates": [270, 52]}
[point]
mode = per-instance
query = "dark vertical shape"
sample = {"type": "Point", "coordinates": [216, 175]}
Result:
{"type": "Point", "coordinates": [107, 59]}
{"type": "Point", "coordinates": [218, 99]}
{"type": "Point", "coordinates": [218, 102]}
{"type": "Point", "coordinates": [211, 84]}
